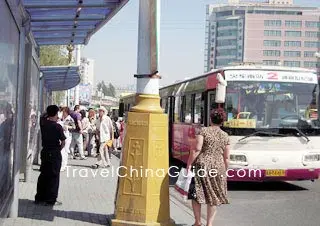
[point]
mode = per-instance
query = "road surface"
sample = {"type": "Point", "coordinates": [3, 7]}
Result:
{"type": "Point", "coordinates": [272, 203]}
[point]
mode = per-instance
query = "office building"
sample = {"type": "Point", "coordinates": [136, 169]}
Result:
{"type": "Point", "coordinates": [87, 71]}
{"type": "Point", "coordinates": [274, 32]}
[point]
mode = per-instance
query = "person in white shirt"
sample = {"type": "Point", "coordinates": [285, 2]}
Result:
{"type": "Point", "coordinates": [85, 129]}
{"type": "Point", "coordinates": [105, 135]}
{"type": "Point", "coordinates": [67, 124]}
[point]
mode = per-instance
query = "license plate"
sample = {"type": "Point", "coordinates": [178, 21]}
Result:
{"type": "Point", "coordinates": [275, 173]}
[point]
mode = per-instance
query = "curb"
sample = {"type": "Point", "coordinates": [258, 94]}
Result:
{"type": "Point", "coordinates": [183, 205]}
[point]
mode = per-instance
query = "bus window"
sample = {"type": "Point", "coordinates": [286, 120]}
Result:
{"type": "Point", "coordinates": [171, 104]}
{"type": "Point", "coordinates": [182, 108]}
{"type": "Point", "coordinates": [198, 108]}
{"type": "Point", "coordinates": [186, 109]}
{"type": "Point", "coordinates": [164, 104]}
{"type": "Point", "coordinates": [212, 104]}
{"type": "Point", "coordinates": [177, 109]}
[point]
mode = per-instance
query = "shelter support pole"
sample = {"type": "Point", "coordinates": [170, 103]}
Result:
{"type": "Point", "coordinates": [27, 154]}
{"type": "Point", "coordinates": [78, 61]}
{"type": "Point", "coordinates": [143, 198]}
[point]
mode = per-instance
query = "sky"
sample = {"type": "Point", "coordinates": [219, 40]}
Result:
{"type": "Point", "coordinates": [182, 36]}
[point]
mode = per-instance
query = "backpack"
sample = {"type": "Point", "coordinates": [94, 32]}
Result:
{"type": "Point", "coordinates": [116, 134]}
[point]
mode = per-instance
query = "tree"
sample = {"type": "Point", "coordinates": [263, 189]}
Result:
{"type": "Point", "coordinates": [99, 86]}
{"type": "Point", "coordinates": [106, 90]}
{"type": "Point", "coordinates": [112, 90]}
{"type": "Point", "coordinates": [53, 56]}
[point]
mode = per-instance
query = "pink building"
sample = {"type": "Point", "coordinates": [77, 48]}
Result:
{"type": "Point", "coordinates": [270, 33]}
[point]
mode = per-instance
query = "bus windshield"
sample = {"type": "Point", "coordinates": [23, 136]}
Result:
{"type": "Point", "coordinates": [264, 104]}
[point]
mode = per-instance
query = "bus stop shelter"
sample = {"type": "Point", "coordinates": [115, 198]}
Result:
{"type": "Point", "coordinates": [57, 78]}
{"type": "Point", "coordinates": [26, 26]}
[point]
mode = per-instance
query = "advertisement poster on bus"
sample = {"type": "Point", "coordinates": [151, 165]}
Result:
{"type": "Point", "coordinates": [85, 94]}
{"type": "Point", "coordinates": [271, 76]}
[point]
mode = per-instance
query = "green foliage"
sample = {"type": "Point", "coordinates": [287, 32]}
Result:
{"type": "Point", "coordinates": [58, 97]}
{"type": "Point", "coordinates": [107, 90]}
{"type": "Point", "coordinates": [53, 56]}
{"type": "Point", "coordinates": [112, 90]}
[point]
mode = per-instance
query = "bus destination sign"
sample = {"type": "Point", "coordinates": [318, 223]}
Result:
{"type": "Point", "coordinates": [271, 76]}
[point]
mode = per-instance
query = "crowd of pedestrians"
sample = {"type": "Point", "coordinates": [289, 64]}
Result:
{"type": "Point", "coordinates": [90, 133]}
{"type": "Point", "coordinates": [77, 133]}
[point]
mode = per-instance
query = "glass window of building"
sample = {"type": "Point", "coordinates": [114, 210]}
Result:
{"type": "Point", "coordinates": [227, 23]}
{"type": "Point", "coordinates": [224, 13]}
{"type": "Point", "coordinates": [310, 64]}
{"type": "Point", "coordinates": [225, 33]}
{"type": "Point", "coordinates": [291, 63]}
{"type": "Point", "coordinates": [312, 44]}
{"type": "Point", "coordinates": [292, 43]}
{"type": "Point", "coordinates": [271, 43]}
{"type": "Point", "coordinates": [223, 62]}
{"type": "Point", "coordinates": [271, 62]}
{"type": "Point", "coordinates": [292, 53]}
{"type": "Point", "coordinates": [272, 33]}
{"type": "Point", "coordinates": [272, 23]}
{"type": "Point", "coordinates": [239, 12]}
{"type": "Point", "coordinates": [292, 23]}
{"type": "Point", "coordinates": [313, 34]}
{"type": "Point", "coordinates": [309, 53]}
{"type": "Point", "coordinates": [227, 52]}
{"type": "Point", "coordinates": [272, 12]}
{"type": "Point", "coordinates": [227, 42]}
{"type": "Point", "coordinates": [313, 24]}
{"type": "Point", "coordinates": [271, 52]}
{"type": "Point", "coordinates": [293, 33]}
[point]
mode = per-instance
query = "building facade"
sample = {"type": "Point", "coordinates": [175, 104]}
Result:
{"type": "Point", "coordinates": [271, 33]}
{"type": "Point", "coordinates": [87, 71]}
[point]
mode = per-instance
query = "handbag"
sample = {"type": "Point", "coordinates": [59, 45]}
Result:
{"type": "Point", "coordinates": [183, 183]}
{"type": "Point", "coordinates": [71, 125]}
{"type": "Point", "coordinates": [109, 143]}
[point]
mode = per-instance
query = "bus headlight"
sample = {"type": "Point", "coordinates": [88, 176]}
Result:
{"type": "Point", "coordinates": [312, 158]}
{"type": "Point", "coordinates": [238, 159]}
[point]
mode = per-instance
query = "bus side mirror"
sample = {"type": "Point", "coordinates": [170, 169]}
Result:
{"type": "Point", "coordinates": [221, 89]}
{"type": "Point", "coordinates": [121, 109]}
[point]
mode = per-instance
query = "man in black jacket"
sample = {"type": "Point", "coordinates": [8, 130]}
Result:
{"type": "Point", "coordinates": [53, 141]}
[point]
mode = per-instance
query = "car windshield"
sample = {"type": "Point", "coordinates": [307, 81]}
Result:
{"type": "Point", "coordinates": [271, 105]}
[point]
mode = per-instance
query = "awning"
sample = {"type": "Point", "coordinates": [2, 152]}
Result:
{"type": "Point", "coordinates": [57, 78]}
{"type": "Point", "coordinates": [64, 22]}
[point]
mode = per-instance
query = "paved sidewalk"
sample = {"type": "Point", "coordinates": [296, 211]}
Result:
{"type": "Point", "coordinates": [87, 200]}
